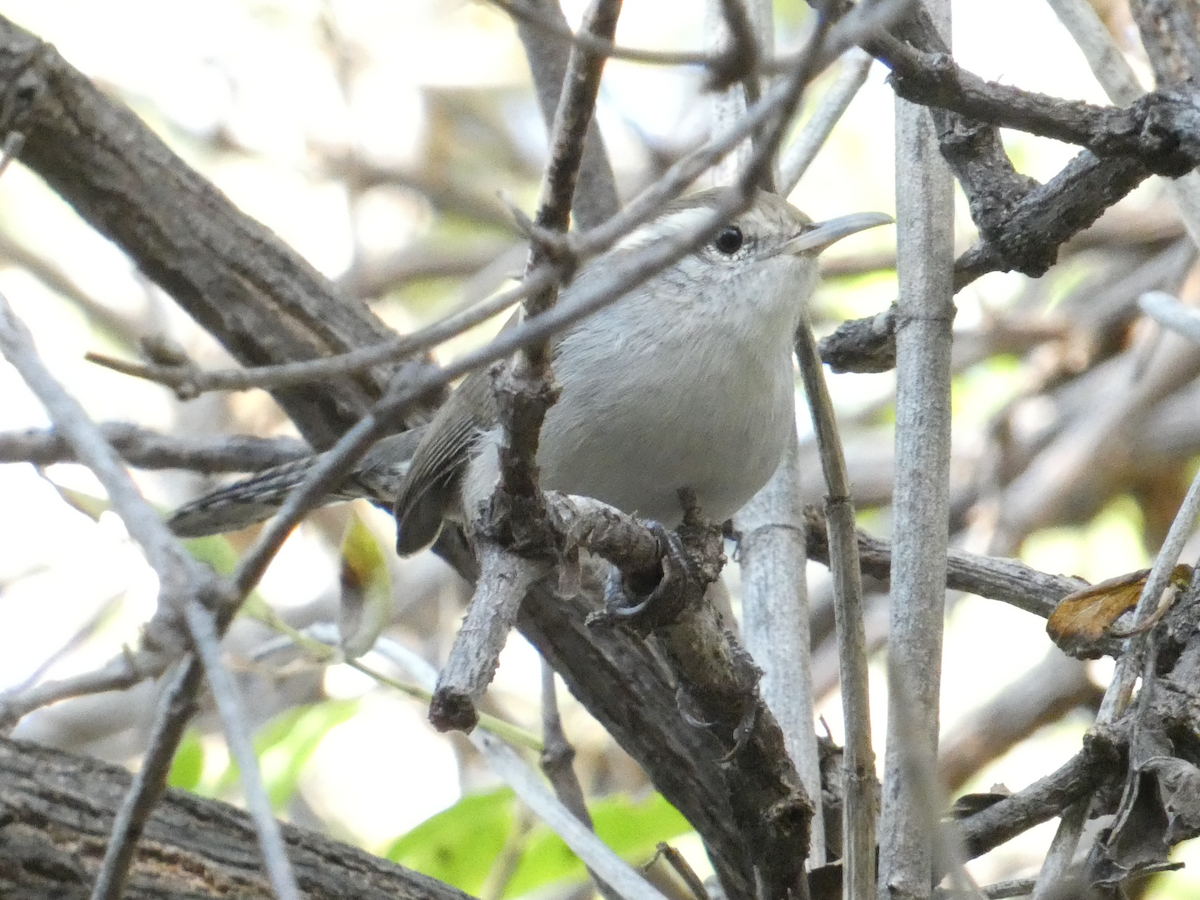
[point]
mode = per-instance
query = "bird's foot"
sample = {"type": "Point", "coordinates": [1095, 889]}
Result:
{"type": "Point", "coordinates": [652, 597]}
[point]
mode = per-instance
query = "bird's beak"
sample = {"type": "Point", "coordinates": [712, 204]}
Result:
{"type": "Point", "coordinates": [822, 234]}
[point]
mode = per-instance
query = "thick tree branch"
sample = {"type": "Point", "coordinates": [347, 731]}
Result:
{"type": "Point", "coordinates": [236, 278]}
{"type": "Point", "coordinates": [1161, 129]}
{"type": "Point", "coordinates": [56, 811]}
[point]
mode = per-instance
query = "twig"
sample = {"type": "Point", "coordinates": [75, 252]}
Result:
{"type": "Point", "coordinates": [858, 761]}
{"type": "Point", "coordinates": [1116, 698]}
{"type": "Point", "coordinates": [1026, 239]}
{"type": "Point", "coordinates": [1013, 887]}
{"type": "Point", "coordinates": [775, 621]}
{"type": "Point", "coordinates": [557, 752]}
{"type": "Point", "coordinates": [1170, 313]}
{"type": "Point", "coordinates": [921, 783]}
{"type": "Point", "coordinates": [796, 159]}
{"type": "Point", "coordinates": [523, 394]}
{"type": "Point", "coordinates": [549, 59]}
{"type": "Point", "coordinates": [121, 672]}
{"type": "Point", "coordinates": [192, 380]}
{"type": "Point", "coordinates": [148, 449]}
{"type": "Point", "coordinates": [1041, 801]}
{"type": "Point", "coordinates": [750, 37]}
{"type": "Point", "coordinates": [180, 573]}
{"type": "Point", "coordinates": [741, 34]}
{"type": "Point", "coordinates": [504, 580]}
{"type": "Point", "coordinates": [1117, 78]}
{"type": "Point", "coordinates": [526, 13]}
{"type": "Point", "coordinates": [322, 641]}
{"type": "Point", "coordinates": [1063, 845]}
{"type": "Point", "coordinates": [82, 634]}
{"type": "Point", "coordinates": [375, 278]}
{"type": "Point", "coordinates": [1158, 128]}
{"type": "Point", "coordinates": [233, 721]}
{"type": "Point", "coordinates": [557, 763]}
{"type": "Point", "coordinates": [174, 711]}
{"type": "Point", "coordinates": [679, 865]}
{"type": "Point", "coordinates": [13, 142]}
{"type": "Point", "coordinates": [1168, 33]}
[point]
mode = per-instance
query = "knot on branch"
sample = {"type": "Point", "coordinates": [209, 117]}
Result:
{"type": "Point", "coordinates": [734, 63]}
{"type": "Point", "coordinates": [921, 77]}
{"type": "Point", "coordinates": [547, 246]}
{"type": "Point", "coordinates": [518, 523]}
{"type": "Point", "coordinates": [862, 345]}
{"type": "Point", "coordinates": [20, 97]}
{"type": "Point", "coordinates": [607, 532]}
{"type": "Point", "coordinates": [1161, 129]}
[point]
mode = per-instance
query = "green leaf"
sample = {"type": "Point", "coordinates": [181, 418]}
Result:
{"type": "Point", "coordinates": [214, 550]}
{"type": "Point", "coordinates": [459, 844]}
{"type": "Point", "coordinates": [633, 829]}
{"type": "Point", "coordinates": [188, 764]}
{"type": "Point", "coordinates": [90, 505]}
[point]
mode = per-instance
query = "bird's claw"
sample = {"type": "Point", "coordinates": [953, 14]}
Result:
{"type": "Point", "coordinates": [653, 597]}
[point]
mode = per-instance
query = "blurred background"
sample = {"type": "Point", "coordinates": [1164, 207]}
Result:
{"type": "Point", "coordinates": [376, 137]}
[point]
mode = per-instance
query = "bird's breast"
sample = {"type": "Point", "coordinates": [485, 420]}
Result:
{"type": "Point", "coordinates": [638, 420]}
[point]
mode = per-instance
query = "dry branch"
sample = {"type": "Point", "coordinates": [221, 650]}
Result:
{"type": "Point", "coordinates": [57, 810]}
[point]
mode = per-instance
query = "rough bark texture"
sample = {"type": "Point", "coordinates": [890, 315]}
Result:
{"type": "Point", "coordinates": [56, 810]}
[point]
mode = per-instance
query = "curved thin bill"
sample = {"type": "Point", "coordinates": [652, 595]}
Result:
{"type": "Point", "coordinates": [822, 234]}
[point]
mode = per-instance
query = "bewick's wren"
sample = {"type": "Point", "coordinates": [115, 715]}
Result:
{"type": "Point", "coordinates": [685, 382]}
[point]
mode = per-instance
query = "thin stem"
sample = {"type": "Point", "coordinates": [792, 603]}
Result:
{"type": "Point", "coordinates": [858, 761]}
{"type": "Point", "coordinates": [175, 708]}
{"type": "Point", "coordinates": [237, 738]}
{"type": "Point", "coordinates": [796, 159]}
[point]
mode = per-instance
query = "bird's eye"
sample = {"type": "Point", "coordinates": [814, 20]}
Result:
{"type": "Point", "coordinates": [728, 240]}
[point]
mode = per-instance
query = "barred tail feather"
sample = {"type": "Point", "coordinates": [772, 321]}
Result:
{"type": "Point", "coordinates": [241, 504]}
{"type": "Point", "coordinates": [378, 476]}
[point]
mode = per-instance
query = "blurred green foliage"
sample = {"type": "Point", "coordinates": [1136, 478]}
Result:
{"type": "Point", "coordinates": [461, 844]}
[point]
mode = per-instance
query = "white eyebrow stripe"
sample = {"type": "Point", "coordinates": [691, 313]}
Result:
{"type": "Point", "coordinates": [664, 226]}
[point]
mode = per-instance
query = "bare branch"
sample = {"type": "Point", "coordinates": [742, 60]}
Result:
{"type": "Point", "coordinates": [1158, 129]}
{"type": "Point", "coordinates": [176, 705]}
{"type": "Point", "coordinates": [148, 449]}
{"type": "Point", "coordinates": [548, 61]}
{"type": "Point", "coordinates": [128, 185]}
{"type": "Point", "coordinates": [858, 762]}
{"type": "Point", "coordinates": [233, 721]}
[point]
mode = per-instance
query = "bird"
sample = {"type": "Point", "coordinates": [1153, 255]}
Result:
{"type": "Point", "coordinates": [685, 382]}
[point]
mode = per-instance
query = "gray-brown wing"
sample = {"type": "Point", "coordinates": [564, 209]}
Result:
{"type": "Point", "coordinates": [430, 490]}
